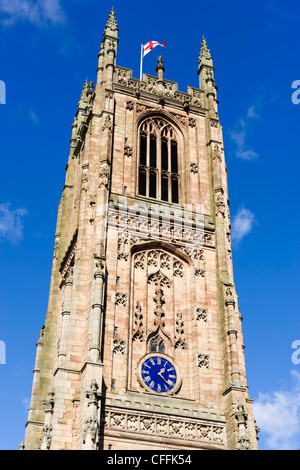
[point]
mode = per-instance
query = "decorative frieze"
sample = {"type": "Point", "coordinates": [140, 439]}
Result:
{"type": "Point", "coordinates": [165, 426]}
{"type": "Point", "coordinates": [139, 227]}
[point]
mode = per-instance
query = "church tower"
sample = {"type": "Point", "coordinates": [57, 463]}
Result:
{"type": "Point", "coordinates": [142, 345]}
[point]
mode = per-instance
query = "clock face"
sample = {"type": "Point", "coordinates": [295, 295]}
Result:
{"type": "Point", "coordinates": [159, 374]}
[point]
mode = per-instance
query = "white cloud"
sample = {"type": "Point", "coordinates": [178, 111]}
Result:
{"type": "Point", "coordinates": [242, 224]}
{"type": "Point", "coordinates": [251, 113]}
{"type": "Point", "coordinates": [239, 134]}
{"type": "Point", "coordinates": [278, 416]}
{"type": "Point", "coordinates": [11, 223]}
{"type": "Point", "coordinates": [36, 12]}
{"type": "Point", "coordinates": [34, 117]}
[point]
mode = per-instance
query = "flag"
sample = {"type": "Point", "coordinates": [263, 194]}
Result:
{"type": "Point", "coordinates": [150, 46]}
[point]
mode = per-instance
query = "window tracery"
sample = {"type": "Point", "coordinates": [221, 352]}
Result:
{"type": "Point", "coordinates": [158, 175]}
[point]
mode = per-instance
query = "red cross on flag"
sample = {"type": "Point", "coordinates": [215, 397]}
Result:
{"type": "Point", "coordinates": [151, 45]}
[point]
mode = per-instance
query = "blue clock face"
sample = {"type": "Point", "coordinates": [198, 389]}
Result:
{"type": "Point", "coordinates": [159, 374]}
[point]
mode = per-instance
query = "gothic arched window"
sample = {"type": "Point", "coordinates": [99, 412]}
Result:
{"type": "Point", "coordinates": [158, 161]}
{"type": "Point", "coordinates": [157, 345]}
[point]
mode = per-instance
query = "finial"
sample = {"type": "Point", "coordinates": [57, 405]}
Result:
{"type": "Point", "coordinates": [160, 64]}
{"type": "Point", "coordinates": [111, 24]}
{"type": "Point", "coordinates": [204, 51]}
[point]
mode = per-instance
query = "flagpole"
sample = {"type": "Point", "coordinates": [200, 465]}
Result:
{"type": "Point", "coordinates": [141, 67]}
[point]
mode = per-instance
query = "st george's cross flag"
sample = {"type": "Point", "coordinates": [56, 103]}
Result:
{"type": "Point", "coordinates": [151, 45]}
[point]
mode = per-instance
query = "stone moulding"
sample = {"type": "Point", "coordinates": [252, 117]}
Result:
{"type": "Point", "coordinates": [170, 427]}
{"type": "Point", "coordinates": [149, 84]}
{"type": "Point", "coordinates": [69, 254]}
{"type": "Point", "coordinates": [144, 227]}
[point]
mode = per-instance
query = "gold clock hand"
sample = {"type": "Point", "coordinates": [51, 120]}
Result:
{"type": "Point", "coordinates": [161, 376]}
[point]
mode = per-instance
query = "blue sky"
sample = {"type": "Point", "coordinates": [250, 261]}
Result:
{"type": "Point", "coordinates": [47, 50]}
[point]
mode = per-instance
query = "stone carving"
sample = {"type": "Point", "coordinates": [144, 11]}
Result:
{"type": "Point", "coordinates": [118, 420]}
{"type": "Point", "coordinates": [205, 432]}
{"type": "Point", "coordinates": [199, 272]}
{"type": "Point", "coordinates": [153, 258]}
{"type": "Point", "coordinates": [69, 276]}
{"type": "Point", "coordinates": [151, 228]}
{"type": "Point", "coordinates": [132, 423]}
{"type": "Point", "coordinates": [229, 297]}
{"type": "Point", "coordinates": [194, 168]}
{"type": "Point", "coordinates": [147, 424]}
{"type": "Point", "coordinates": [159, 279]}
{"type": "Point", "coordinates": [91, 428]}
{"type": "Point", "coordinates": [46, 438]}
{"type": "Point", "coordinates": [151, 85]}
{"type": "Point", "coordinates": [203, 361]}
{"type": "Point", "coordinates": [198, 254]}
{"type": "Point", "coordinates": [107, 123]}
{"type": "Point", "coordinates": [119, 346]}
{"type": "Point", "coordinates": [165, 261]}
{"type": "Point", "coordinates": [100, 269]}
{"type": "Point", "coordinates": [178, 269]}
{"type": "Point", "coordinates": [158, 311]}
{"type": "Point", "coordinates": [180, 342]}
{"type": "Point", "coordinates": [165, 426]}
{"type": "Point", "coordinates": [201, 314]}
{"type": "Point", "coordinates": [217, 152]}
{"type": "Point", "coordinates": [130, 105]}
{"type": "Point", "coordinates": [138, 331]}
{"type": "Point", "coordinates": [128, 151]}
{"type": "Point", "coordinates": [176, 429]}
{"type": "Point", "coordinates": [181, 119]}
{"type": "Point", "coordinates": [192, 122]}
{"type": "Point", "coordinates": [197, 98]}
{"type": "Point", "coordinates": [220, 204]}
{"type": "Point", "coordinates": [121, 299]}
{"type": "Point", "coordinates": [139, 261]}
{"type": "Point", "coordinates": [140, 107]}
{"type": "Point", "coordinates": [242, 418]}
{"type": "Point", "coordinates": [122, 76]}
{"type": "Point", "coordinates": [123, 242]}
{"type": "Point", "coordinates": [104, 176]}
{"type": "Point", "coordinates": [169, 89]}
{"type": "Point", "coordinates": [123, 256]}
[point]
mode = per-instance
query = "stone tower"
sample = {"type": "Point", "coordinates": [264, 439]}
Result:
{"type": "Point", "coordinates": [142, 345]}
